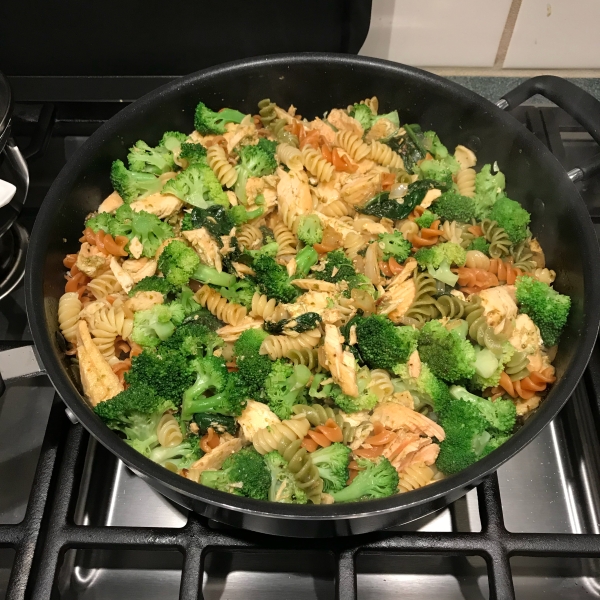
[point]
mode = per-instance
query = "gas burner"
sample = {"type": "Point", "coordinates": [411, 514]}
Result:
{"type": "Point", "coordinates": [13, 250]}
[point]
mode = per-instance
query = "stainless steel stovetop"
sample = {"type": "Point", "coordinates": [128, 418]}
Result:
{"type": "Point", "coordinates": [551, 487]}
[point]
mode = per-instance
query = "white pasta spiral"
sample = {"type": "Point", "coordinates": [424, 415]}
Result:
{"type": "Point", "coordinates": [384, 155]}
{"type": "Point", "coordinates": [290, 156]}
{"type": "Point", "coordinates": [268, 439]}
{"type": "Point", "coordinates": [381, 383]}
{"type": "Point", "coordinates": [316, 164]}
{"type": "Point", "coordinates": [337, 208]}
{"type": "Point", "coordinates": [217, 161]}
{"type": "Point", "coordinates": [407, 228]}
{"type": "Point", "coordinates": [465, 181]}
{"type": "Point", "coordinates": [249, 236]}
{"type": "Point", "coordinates": [69, 307]}
{"type": "Point", "coordinates": [168, 431]}
{"type": "Point", "coordinates": [352, 144]}
{"type": "Point", "coordinates": [104, 284]}
{"type": "Point", "coordinates": [263, 307]}
{"type": "Point", "coordinates": [278, 346]}
{"type": "Point", "coordinates": [477, 260]}
{"type": "Point", "coordinates": [545, 275]}
{"type": "Point", "coordinates": [228, 312]}
{"type": "Point", "coordinates": [286, 239]}
{"type": "Point", "coordinates": [414, 477]}
{"type": "Point", "coordinates": [106, 324]}
{"type": "Point", "coordinates": [354, 242]}
{"type": "Point", "coordinates": [452, 232]}
{"type": "Point", "coordinates": [357, 191]}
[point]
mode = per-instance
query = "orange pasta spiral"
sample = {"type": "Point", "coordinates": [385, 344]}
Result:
{"type": "Point", "coordinates": [323, 435]}
{"type": "Point", "coordinates": [373, 446]}
{"type": "Point", "coordinates": [528, 386]}
{"type": "Point", "coordinates": [475, 279]}
{"type": "Point", "coordinates": [105, 241]}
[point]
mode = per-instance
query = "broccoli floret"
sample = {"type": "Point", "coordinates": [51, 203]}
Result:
{"type": "Point", "coordinates": [100, 222]}
{"type": "Point", "coordinates": [193, 154]}
{"type": "Point", "coordinates": [310, 229]}
{"type": "Point", "coordinates": [488, 188]}
{"type": "Point", "coordinates": [499, 414]}
{"type": "Point", "coordinates": [241, 215]}
{"type": "Point", "coordinates": [438, 259]}
{"type": "Point", "coordinates": [338, 267]}
{"type": "Point", "coordinates": [360, 282]}
{"type": "Point", "coordinates": [273, 280]}
{"type": "Point", "coordinates": [426, 389]}
{"type": "Point", "coordinates": [193, 339]}
{"type": "Point", "coordinates": [480, 244]}
{"type": "Point", "coordinates": [255, 161]}
{"type": "Point", "coordinates": [135, 412]}
{"type": "Point", "coordinates": [434, 146]}
{"type": "Point", "coordinates": [299, 324]}
{"type": "Point", "coordinates": [178, 262]}
{"type": "Point", "coordinates": [381, 344]}
{"type": "Point", "coordinates": [375, 479]}
{"type": "Point", "coordinates": [153, 283]}
{"type": "Point", "coordinates": [269, 249]}
{"type": "Point", "coordinates": [474, 427]}
{"type": "Point", "coordinates": [131, 185]}
{"type": "Point", "coordinates": [547, 308]}
{"type": "Point", "coordinates": [451, 206]}
{"type": "Point", "coordinates": [147, 228]}
{"type": "Point", "coordinates": [449, 356]}
{"type": "Point", "coordinates": [154, 325]}
{"type": "Point", "coordinates": [178, 457]}
{"type": "Point", "coordinates": [204, 317]}
{"type": "Point", "coordinates": [207, 121]}
{"type": "Point", "coordinates": [197, 185]}
{"type": "Point", "coordinates": [214, 390]}
{"type": "Point", "coordinates": [489, 367]}
{"type": "Point", "coordinates": [365, 400]}
{"type": "Point", "coordinates": [172, 141]}
{"type": "Point", "coordinates": [305, 259]}
{"type": "Point", "coordinates": [220, 423]}
{"type": "Point", "coordinates": [253, 368]}
{"type": "Point", "coordinates": [363, 114]}
{"type": "Point", "coordinates": [146, 159]}
{"type": "Point", "coordinates": [286, 386]}
{"type": "Point", "coordinates": [332, 464]}
{"type": "Point", "coordinates": [165, 371]}
{"type": "Point", "coordinates": [184, 305]}
{"type": "Point", "coordinates": [284, 487]}
{"type": "Point", "coordinates": [241, 292]}
{"type": "Point", "coordinates": [215, 219]}
{"type": "Point", "coordinates": [512, 217]}
{"type": "Point", "coordinates": [244, 473]}
{"type": "Point", "coordinates": [392, 117]}
{"type": "Point", "coordinates": [426, 219]}
{"type": "Point", "coordinates": [394, 244]}
{"type": "Point", "coordinates": [439, 170]}
{"type": "Point", "coordinates": [210, 275]}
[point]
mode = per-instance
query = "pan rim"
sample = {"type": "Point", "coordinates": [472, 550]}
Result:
{"type": "Point", "coordinates": [467, 478]}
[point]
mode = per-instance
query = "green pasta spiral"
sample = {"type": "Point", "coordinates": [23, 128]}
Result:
{"type": "Point", "coordinates": [318, 414]}
{"type": "Point", "coordinates": [517, 367]}
{"type": "Point", "coordinates": [301, 466]}
{"type": "Point", "coordinates": [424, 306]}
{"type": "Point", "coordinates": [306, 356]}
{"type": "Point", "coordinates": [282, 135]}
{"type": "Point", "coordinates": [479, 330]}
{"type": "Point", "coordinates": [522, 256]}
{"type": "Point", "coordinates": [497, 238]}
{"type": "Point", "coordinates": [266, 111]}
{"type": "Point", "coordinates": [450, 306]}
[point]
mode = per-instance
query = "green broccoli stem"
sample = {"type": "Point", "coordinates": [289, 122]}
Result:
{"type": "Point", "coordinates": [305, 259]}
{"type": "Point", "coordinates": [212, 404]}
{"type": "Point", "coordinates": [210, 275]}
{"type": "Point", "coordinates": [240, 185]}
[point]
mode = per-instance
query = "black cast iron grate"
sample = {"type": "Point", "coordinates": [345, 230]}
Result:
{"type": "Point", "coordinates": [48, 531]}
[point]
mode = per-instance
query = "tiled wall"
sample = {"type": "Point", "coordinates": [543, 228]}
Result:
{"type": "Point", "coordinates": [488, 36]}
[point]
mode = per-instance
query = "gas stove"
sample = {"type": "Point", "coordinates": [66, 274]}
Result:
{"type": "Point", "coordinates": [76, 523]}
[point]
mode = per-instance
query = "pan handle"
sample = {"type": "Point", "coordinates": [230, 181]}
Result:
{"type": "Point", "coordinates": [19, 363]}
{"type": "Point", "coordinates": [578, 103]}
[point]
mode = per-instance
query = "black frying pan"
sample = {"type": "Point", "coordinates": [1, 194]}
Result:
{"type": "Point", "coordinates": [314, 83]}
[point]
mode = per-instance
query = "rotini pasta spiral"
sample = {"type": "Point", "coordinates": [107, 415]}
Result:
{"type": "Point", "coordinates": [279, 435]}
{"type": "Point", "coordinates": [477, 260]}
{"type": "Point", "coordinates": [279, 129]}
{"type": "Point", "coordinates": [385, 156]}
{"type": "Point", "coordinates": [424, 306]}
{"type": "Point", "coordinates": [337, 208]}
{"type": "Point", "coordinates": [168, 431]}
{"type": "Point", "coordinates": [352, 144]}
{"type": "Point", "coordinates": [228, 312]}
{"type": "Point", "coordinates": [316, 164]}
{"type": "Point", "coordinates": [104, 284]}
{"type": "Point", "coordinates": [450, 306]}
{"type": "Point", "coordinates": [288, 243]}
{"type": "Point", "coordinates": [106, 324]}
{"type": "Point", "coordinates": [266, 111]}
{"type": "Point", "coordinates": [497, 237]}
{"type": "Point", "coordinates": [545, 275]}
{"type": "Point", "coordinates": [354, 242]}
{"type": "Point", "coordinates": [452, 232]}
{"type": "Point", "coordinates": [307, 357]}
{"type": "Point", "coordinates": [217, 161]}
{"type": "Point", "coordinates": [249, 236]}
{"type": "Point", "coordinates": [290, 156]}
{"type": "Point", "coordinates": [479, 330]}
{"type": "Point", "coordinates": [278, 346]}
{"type": "Point", "coordinates": [518, 366]}
{"type": "Point", "coordinates": [266, 309]}
{"type": "Point", "coordinates": [381, 383]}
{"type": "Point", "coordinates": [317, 414]}
{"type": "Point", "coordinates": [414, 477]}
{"type": "Point", "coordinates": [522, 257]}
{"type": "Point", "coordinates": [69, 307]}
{"type": "Point", "coordinates": [465, 181]}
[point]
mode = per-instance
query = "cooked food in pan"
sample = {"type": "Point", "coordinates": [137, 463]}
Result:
{"type": "Point", "coordinates": [310, 311]}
